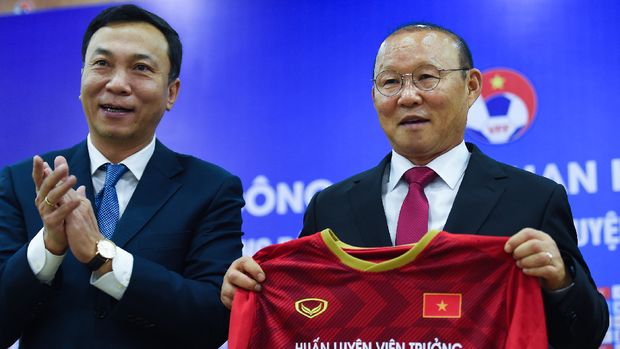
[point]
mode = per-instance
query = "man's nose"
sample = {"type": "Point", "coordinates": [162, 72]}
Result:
{"type": "Point", "coordinates": [409, 93]}
{"type": "Point", "coordinates": [119, 82]}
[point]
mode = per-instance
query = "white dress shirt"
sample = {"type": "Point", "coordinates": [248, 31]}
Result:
{"type": "Point", "coordinates": [440, 193]}
{"type": "Point", "coordinates": [45, 264]}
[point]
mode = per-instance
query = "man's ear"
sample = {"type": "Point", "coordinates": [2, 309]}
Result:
{"type": "Point", "coordinates": [474, 85]}
{"type": "Point", "coordinates": [173, 93]}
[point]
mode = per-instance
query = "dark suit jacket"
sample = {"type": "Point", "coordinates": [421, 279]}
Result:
{"type": "Point", "coordinates": [183, 227]}
{"type": "Point", "coordinates": [494, 199]}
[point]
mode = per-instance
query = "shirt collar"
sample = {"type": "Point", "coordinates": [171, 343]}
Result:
{"type": "Point", "coordinates": [449, 166]}
{"type": "Point", "coordinates": [136, 163]}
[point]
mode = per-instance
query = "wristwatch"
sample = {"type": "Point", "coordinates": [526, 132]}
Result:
{"type": "Point", "coordinates": [106, 250]}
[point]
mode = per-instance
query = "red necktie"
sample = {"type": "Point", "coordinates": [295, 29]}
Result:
{"type": "Point", "coordinates": [413, 217]}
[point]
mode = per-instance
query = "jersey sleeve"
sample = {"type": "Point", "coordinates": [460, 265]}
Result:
{"type": "Point", "coordinates": [242, 319]}
{"type": "Point", "coordinates": [244, 308]}
{"type": "Point", "coordinates": [527, 327]}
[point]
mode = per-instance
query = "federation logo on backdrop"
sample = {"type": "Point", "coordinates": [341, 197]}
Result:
{"type": "Point", "coordinates": [505, 109]}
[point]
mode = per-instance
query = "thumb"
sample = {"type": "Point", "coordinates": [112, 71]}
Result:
{"type": "Point", "coordinates": [81, 191]}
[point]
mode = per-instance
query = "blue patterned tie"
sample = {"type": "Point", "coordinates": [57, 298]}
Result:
{"type": "Point", "coordinates": [106, 200]}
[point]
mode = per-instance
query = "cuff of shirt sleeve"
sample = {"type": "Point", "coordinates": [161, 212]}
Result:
{"type": "Point", "coordinates": [43, 263]}
{"type": "Point", "coordinates": [115, 283]}
{"type": "Point", "coordinates": [556, 296]}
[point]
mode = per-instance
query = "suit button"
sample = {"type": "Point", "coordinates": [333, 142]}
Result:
{"type": "Point", "coordinates": [101, 314]}
{"type": "Point", "coordinates": [572, 318]}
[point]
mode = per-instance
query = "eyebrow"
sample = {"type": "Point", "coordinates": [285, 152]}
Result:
{"type": "Point", "coordinates": [142, 56]}
{"type": "Point", "coordinates": [136, 56]}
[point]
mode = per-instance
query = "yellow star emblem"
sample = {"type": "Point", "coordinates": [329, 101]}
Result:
{"type": "Point", "coordinates": [497, 82]}
{"type": "Point", "coordinates": [442, 306]}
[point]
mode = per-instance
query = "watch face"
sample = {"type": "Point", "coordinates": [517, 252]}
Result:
{"type": "Point", "coordinates": [106, 249]}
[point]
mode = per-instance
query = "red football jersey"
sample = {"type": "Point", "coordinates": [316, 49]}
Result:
{"type": "Point", "coordinates": [446, 291]}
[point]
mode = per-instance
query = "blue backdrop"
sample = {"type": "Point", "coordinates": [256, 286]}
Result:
{"type": "Point", "coordinates": [278, 92]}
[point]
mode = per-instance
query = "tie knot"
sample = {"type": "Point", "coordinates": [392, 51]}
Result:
{"type": "Point", "coordinates": [419, 175]}
{"type": "Point", "coordinates": [113, 173]}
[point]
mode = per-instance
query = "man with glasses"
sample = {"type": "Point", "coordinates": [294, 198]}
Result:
{"type": "Point", "coordinates": [424, 84]}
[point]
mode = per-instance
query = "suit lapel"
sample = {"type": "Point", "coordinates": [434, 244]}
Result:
{"type": "Point", "coordinates": [365, 200]}
{"type": "Point", "coordinates": [155, 188]}
{"type": "Point", "coordinates": [79, 166]}
{"type": "Point", "coordinates": [482, 186]}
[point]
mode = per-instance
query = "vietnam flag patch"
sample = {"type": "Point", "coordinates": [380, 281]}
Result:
{"type": "Point", "coordinates": [441, 305]}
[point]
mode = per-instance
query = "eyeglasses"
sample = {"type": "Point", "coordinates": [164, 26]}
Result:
{"type": "Point", "coordinates": [425, 78]}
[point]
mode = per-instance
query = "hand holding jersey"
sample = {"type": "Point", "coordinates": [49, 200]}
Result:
{"type": "Point", "coordinates": [537, 255]}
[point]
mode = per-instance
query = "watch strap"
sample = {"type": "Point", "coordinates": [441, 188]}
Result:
{"type": "Point", "coordinates": [96, 262]}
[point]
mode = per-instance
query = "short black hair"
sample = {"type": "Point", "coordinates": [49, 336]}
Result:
{"type": "Point", "coordinates": [465, 58]}
{"type": "Point", "coordinates": [133, 13]}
